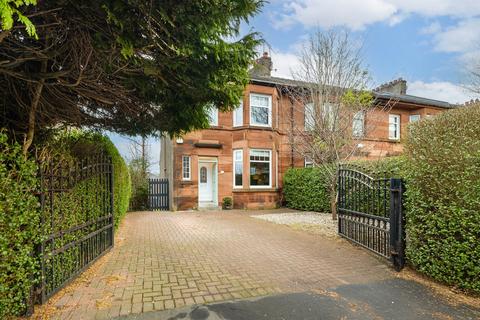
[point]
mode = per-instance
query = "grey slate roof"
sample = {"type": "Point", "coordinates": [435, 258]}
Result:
{"type": "Point", "coordinates": [275, 81]}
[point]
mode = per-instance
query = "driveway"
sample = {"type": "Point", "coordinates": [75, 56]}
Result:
{"type": "Point", "coordinates": [165, 261]}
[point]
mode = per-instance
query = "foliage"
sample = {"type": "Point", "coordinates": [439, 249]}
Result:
{"type": "Point", "coordinates": [139, 166]}
{"type": "Point", "coordinates": [332, 94]}
{"type": "Point", "coordinates": [443, 197]}
{"type": "Point", "coordinates": [11, 8]}
{"type": "Point", "coordinates": [227, 203]}
{"type": "Point", "coordinates": [78, 144]}
{"type": "Point", "coordinates": [307, 189]}
{"type": "Point", "coordinates": [19, 232]}
{"type": "Point", "coordinates": [133, 67]}
{"type": "Point", "coordinates": [390, 167]}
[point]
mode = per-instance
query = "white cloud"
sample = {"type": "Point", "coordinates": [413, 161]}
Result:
{"type": "Point", "coordinates": [432, 28]}
{"type": "Point", "coordinates": [355, 14]}
{"type": "Point", "coordinates": [463, 37]}
{"type": "Point", "coordinates": [440, 90]}
{"type": "Point", "coordinates": [284, 64]}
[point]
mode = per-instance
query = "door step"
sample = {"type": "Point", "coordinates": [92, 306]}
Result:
{"type": "Point", "coordinates": [209, 207]}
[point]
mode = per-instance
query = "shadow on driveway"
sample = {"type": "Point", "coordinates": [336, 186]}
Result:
{"type": "Point", "coordinates": [389, 299]}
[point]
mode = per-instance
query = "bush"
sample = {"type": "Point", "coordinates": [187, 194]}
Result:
{"type": "Point", "coordinates": [19, 232]}
{"type": "Point", "coordinates": [79, 144]}
{"type": "Point", "coordinates": [307, 189]}
{"type": "Point", "coordinates": [391, 167]}
{"type": "Point", "coordinates": [443, 197]}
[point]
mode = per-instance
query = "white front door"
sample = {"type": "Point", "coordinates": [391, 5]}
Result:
{"type": "Point", "coordinates": [206, 181]}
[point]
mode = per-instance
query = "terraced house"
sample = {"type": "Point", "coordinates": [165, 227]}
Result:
{"type": "Point", "coordinates": [245, 153]}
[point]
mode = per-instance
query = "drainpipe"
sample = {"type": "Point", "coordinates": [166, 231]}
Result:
{"type": "Point", "coordinates": [292, 126]}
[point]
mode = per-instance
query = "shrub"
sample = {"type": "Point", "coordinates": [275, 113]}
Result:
{"type": "Point", "coordinates": [443, 197]}
{"type": "Point", "coordinates": [307, 189]}
{"type": "Point", "coordinates": [391, 167]}
{"type": "Point", "coordinates": [79, 144]}
{"type": "Point", "coordinates": [19, 233]}
{"type": "Point", "coordinates": [227, 203]}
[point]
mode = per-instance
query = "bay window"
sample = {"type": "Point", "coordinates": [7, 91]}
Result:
{"type": "Point", "coordinates": [260, 168]}
{"type": "Point", "coordinates": [237, 168]}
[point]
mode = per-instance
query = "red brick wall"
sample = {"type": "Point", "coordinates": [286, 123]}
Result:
{"type": "Point", "coordinates": [276, 139]}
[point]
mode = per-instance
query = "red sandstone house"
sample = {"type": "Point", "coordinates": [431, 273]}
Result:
{"type": "Point", "coordinates": [245, 153]}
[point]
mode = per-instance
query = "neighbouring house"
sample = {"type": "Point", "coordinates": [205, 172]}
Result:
{"type": "Point", "coordinates": [245, 153]}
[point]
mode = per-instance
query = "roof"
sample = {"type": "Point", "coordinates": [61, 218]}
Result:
{"type": "Point", "coordinates": [275, 81]}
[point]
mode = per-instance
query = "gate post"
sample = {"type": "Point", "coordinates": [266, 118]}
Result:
{"type": "Point", "coordinates": [397, 232]}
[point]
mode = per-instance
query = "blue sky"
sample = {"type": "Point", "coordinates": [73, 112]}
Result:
{"type": "Point", "coordinates": [430, 43]}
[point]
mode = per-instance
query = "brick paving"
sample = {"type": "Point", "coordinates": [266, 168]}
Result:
{"type": "Point", "coordinates": [170, 260]}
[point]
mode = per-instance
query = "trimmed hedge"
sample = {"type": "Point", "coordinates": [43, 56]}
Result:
{"type": "Point", "coordinates": [307, 189]}
{"type": "Point", "coordinates": [78, 143]}
{"type": "Point", "coordinates": [391, 167]}
{"type": "Point", "coordinates": [443, 197]}
{"type": "Point", "coordinates": [19, 232]}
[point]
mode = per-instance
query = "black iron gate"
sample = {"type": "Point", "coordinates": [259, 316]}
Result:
{"type": "Point", "coordinates": [158, 194]}
{"type": "Point", "coordinates": [370, 213]}
{"type": "Point", "coordinates": [76, 218]}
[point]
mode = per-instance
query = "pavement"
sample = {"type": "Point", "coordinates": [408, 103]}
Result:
{"type": "Point", "coordinates": [389, 299]}
{"type": "Point", "coordinates": [228, 265]}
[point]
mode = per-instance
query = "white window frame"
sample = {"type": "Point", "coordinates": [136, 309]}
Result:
{"type": "Point", "coordinates": [308, 163]}
{"type": "Point", "coordinates": [394, 119]}
{"type": "Point", "coordinates": [239, 151]}
{"type": "Point", "coordinates": [414, 116]}
{"type": "Point", "coordinates": [186, 175]}
{"type": "Point", "coordinates": [269, 107]}
{"type": "Point", "coordinates": [238, 119]}
{"type": "Point", "coordinates": [213, 116]}
{"type": "Point", "coordinates": [309, 116]}
{"type": "Point", "coordinates": [260, 161]}
{"type": "Point", "coordinates": [360, 118]}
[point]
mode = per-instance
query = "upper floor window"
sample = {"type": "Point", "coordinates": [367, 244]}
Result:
{"type": "Point", "coordinates": [358, 126]}
{"type": "Point", "coordinates": [212, 114]}
{"type": "Point", "coordinates": [309, 114]}
{"type": "Point", "coordinates": [414, 117]}
{"type": "Point", "coordinates": [394, 126]}
{"type": "Point", "coordinates": [260, 168]}
{"type": "Point", "coordinates": [238, 115]}
{"type": "Point", "coordinates": [186, 168]}
{"type": "Point", "coordinates": [260, 110]}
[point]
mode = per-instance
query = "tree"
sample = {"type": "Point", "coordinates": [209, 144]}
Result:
{"type": "Point", "coordinates": [133, 67]}
{"type": "Point", "coordinates": [333, 94]}
{"type": "Point", "coordinates": [139, 167]}
{"type": "Point", "coordinates": [11, 10]}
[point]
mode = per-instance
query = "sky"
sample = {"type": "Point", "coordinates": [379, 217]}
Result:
{"type": "Point", "coordinates": [429, 43]}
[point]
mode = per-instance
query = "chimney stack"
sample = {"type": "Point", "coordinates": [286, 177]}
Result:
{"type": "Point", "coordinates": [263, 66]}
{"type": "Point", "coordinates": [398, 86]}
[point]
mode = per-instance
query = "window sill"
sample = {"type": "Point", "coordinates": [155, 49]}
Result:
{"type": "Point", "coordinates": [245, 190]}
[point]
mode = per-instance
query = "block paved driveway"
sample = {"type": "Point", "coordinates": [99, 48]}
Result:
{"type": "Point", "coordinates": [171, 260]}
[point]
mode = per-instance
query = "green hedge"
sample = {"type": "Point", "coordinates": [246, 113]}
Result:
{"type": "Point", "coordinates": [81, 143]}
{"type": "Point", "coordinates": [307, 189]}
{"type": "Point", "coordinates": [443, 197]}
{"type": "Point", "coordinates": [391, 167]}
{"type": "Point", "coordinates": [19, 231]}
